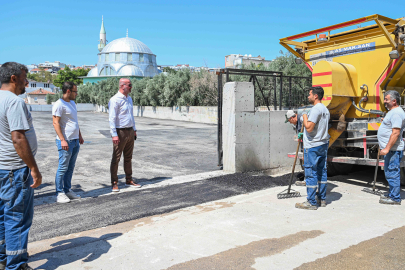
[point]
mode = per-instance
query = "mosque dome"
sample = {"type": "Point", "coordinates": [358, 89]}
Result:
{"type": "Point", "coordinates": [130, 70]}
{"type": "Point", "coordinates": [123, 57]}
{"type": "Point", "coordinates": [126, 45]}
{"type": "Point", "coordinates": [93, 72]}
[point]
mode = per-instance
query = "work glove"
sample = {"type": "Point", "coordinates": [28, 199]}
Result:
{"type": "Point", "coordinates": [300, 135]}
{"type": "Point", "coordinates": [135, 137]}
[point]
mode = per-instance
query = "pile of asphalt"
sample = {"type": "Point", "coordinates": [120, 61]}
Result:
{"type": "Point", "coordinates": [51, 220]}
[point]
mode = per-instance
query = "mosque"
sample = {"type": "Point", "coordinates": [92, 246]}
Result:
{"type": "Point", "coordinates": [123, 57]}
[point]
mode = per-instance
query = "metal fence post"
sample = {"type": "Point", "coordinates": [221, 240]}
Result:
{"type": "Point", "coordinates": [281, 92]}
{"type": "Point", "coordinates": [220, 118]}
{"type": "Point", "coordinates": [275, 93]}
{"type": "Point", "coordinates": [289, 97]}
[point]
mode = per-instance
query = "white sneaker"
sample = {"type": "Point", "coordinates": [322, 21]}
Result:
{"type": "Point", "coordinates": [62, 198]}
{"type": "Point", "coordinates": [72, 195]}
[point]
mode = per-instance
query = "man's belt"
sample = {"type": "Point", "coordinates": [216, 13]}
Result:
{"type": "Point", "coordinates": [127, 128]}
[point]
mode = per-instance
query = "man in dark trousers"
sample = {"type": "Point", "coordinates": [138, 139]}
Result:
{"type": "Point", "coordinates": [123, 132]}
{"type": "Point", "coordinates": [316, 142]}
{"type": "Point", "coordinates": [19, 173]}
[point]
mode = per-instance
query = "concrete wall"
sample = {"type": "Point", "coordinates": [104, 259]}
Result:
{"type": "Point", "coordinates": [198, 114]}
{"type": "Point", "coordinates": [253, 140]}
{"type": "Point", "coordinates": [81, 107]}
{"type": "Point", "coordinates": [41, 99]}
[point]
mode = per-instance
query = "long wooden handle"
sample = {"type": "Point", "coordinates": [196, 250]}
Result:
{"type": "Point", "coordinates": [295, 160]}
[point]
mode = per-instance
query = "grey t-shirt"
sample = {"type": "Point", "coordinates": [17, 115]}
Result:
{"type": "Point", "coordinates": [394, 119]}
{"type": "Point", "coordinates": [68, 118]}
{"type": "Point", "coordinates": [319, 115]}
{"type": "Point", "coordinates": [14, 115]}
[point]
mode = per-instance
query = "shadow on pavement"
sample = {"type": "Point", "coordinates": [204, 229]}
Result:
{"type": "Point", "coordinates": [80, 250]}
{"type": "Point", "coordinates": [105, 189]}
{"type": "Point", "coordinates": [330, 195]}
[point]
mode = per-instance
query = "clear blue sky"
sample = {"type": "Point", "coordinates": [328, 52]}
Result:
{"type": "Point", "coordinates": [198, 33]}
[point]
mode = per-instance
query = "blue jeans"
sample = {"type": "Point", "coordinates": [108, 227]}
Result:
{"type": "Point", "coordinates": [16, 213]}
{"type": "Point", "coordinates": [67, 161]}
{"type": "Point", "coordinates": [393, 173]}
{"type": "Point", "coordinates": [315, 172]}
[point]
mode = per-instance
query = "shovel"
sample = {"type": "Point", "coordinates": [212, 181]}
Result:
{"type": "Point", "coordinates": [373, 191]}
{"type": "Point", "coordinates": [289, 193]}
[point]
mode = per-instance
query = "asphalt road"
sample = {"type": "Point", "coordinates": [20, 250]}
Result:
{"type": "Point", "coordinates": [52, 220]}
{"type": "Point", "coordinates": [164, 149]}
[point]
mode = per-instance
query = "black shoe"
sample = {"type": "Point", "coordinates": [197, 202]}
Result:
{"type": "Point", "coordinates": [25, 266]}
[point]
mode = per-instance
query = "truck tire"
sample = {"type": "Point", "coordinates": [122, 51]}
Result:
{"type": "Point", "coordinates": [339, 168]}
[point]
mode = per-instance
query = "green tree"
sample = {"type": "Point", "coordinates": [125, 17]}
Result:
{"type": "Point", "coordinates": [70, 75]}
{"type": "Point", "coordinates": [48, 98]}
{"type": "Point", "coordinates": [154, 90]}
{"type": "Point", "coordinates": [138, 92]}
{"type": "Point", "coordinates": [42, 76]}
{"type": "Point", "coordinates": [169, 70]}
{"type": "Point", "coordinates": [203, 90]}
{"type": "Point", "coordinates": [175, 85]}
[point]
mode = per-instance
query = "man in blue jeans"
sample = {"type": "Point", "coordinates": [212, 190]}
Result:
{"type": "Point", "coordinates": [316, 142]}
{"type": "Point", "coordinates": [19, 173]}
{"type": "Point", "coordinates": [68, 140]}
{"type": "Point", "coordinates": [392, 145]}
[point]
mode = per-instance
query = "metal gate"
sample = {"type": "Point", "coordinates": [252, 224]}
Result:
{"type": "Point", "coordinates": [272, 90]}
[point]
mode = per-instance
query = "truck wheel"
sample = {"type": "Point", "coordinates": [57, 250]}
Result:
{"type": "Point", "coordinates": [402, 176]}
{"type": "Point", "coordinates": [339, 168]}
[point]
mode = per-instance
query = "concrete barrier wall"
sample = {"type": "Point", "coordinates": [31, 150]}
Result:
{"type": "Point", "coordinates": [253, 140]}
{"type": "Point", "coordinates": [81, 107]}
{"type": "Point", "coordinates": [198, 114]}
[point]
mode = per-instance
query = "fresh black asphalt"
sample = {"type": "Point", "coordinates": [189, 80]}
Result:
{"type": "Point", "coordinates": [51, 220]}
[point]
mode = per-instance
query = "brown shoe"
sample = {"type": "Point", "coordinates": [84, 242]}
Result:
{"type": "Point", "coordinates": [132, 184]}
{"type": "Point", "coordinates": [115, 187]}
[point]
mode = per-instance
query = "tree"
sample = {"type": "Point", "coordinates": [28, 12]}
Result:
{"type": "Point", "coordinates": [68, 75]}
{"type": "Point", "coordinates": [42, 76]}
{"type": "Point", "coordinates": [48, 98]}
{"type": "Point", "coordinates": [175, 85]}
{"type": "Point", "coordinates": [138, 92]}
{"type": "Point", "coordinates": [203, 89]}
{"type": "Point", "coordinates": [169, 70]}
{"type": "Point", "coordinates": [154, 89]}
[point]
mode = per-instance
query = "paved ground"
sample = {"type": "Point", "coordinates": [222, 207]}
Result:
{"type": "Point", "coordinates": [252, 230]}
{"type": "Point", "coordinates": [190, 215]}
{"type": "Point", "coordinates": [164, 149]}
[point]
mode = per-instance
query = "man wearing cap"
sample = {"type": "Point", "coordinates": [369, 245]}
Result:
{"type": "Point", "coordinates": [294, 119]}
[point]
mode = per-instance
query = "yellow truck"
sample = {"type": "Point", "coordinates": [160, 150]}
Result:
{"type": "Point", "coordinates": [354, 68]}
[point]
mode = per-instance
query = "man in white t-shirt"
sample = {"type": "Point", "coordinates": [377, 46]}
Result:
{"type": "Point", "coordinates": [68, 140]}
{"type": "Point", "coordinates": [316, 143]}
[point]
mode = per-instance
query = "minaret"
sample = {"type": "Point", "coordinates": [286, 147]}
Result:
{"type": "Point", "coordinates": [103, 40]}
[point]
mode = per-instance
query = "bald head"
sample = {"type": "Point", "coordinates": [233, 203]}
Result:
{"type": "Point", "coordinates": [123, 81]}
{"type": "Point", "coordinates": [125, 86]}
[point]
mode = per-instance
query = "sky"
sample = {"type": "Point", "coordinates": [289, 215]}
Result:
{"type": "Point", "coordinates": [198, 33]}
